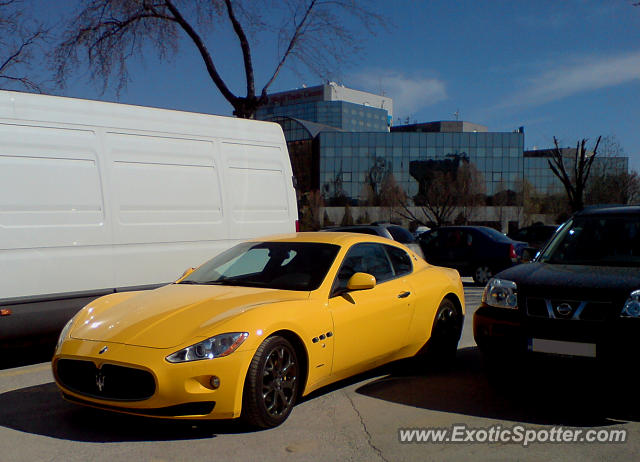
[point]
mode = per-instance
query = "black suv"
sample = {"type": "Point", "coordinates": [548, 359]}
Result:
{"type": "Point", "coordinates": [580, 297]}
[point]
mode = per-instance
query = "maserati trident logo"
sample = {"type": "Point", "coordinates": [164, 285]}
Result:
{"type": "Point", "coordinates": [564, 309]}
{"type": "Point", "coordinates": [100, 381]}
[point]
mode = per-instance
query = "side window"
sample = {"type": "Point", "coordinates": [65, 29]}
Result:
{"type": "Point", "coordinates": [467, 239]}
{"type": "Point", "coordinates": [400, 260]}
{"type": "Point", "coordinates": [364, 258]}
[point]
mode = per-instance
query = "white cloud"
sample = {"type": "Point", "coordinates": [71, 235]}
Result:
{"type": "Point", "coordinates": [409, 94]}
{"type": "Point", "coordinates": [578, 76]}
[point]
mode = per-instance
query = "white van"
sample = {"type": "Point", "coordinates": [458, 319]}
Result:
{"type": "Point", "coordinates": [100, 197]}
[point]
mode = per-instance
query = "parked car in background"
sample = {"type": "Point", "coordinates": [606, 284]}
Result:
{"type": "Point", "coordinates": [580, 297]}
{"type": "Point", "coordinates": [419, 230]}
{"type": "Point", "coordinates": [256, 328]}
{"type": "Point", "coordinates": [536, 236]}
{"type": "Point", "coordinates": [476, 251]}
{"type": "Point", "coordinates": [389, 230]}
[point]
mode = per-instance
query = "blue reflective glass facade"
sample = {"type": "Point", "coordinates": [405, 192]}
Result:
{"type": "Point", "coordinates": [340, 114]}
{"type": "Point", "coordinates": [347, 158]}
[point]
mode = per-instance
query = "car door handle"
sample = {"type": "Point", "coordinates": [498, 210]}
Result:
{"type": "Point", "coordinates": [404, 294]}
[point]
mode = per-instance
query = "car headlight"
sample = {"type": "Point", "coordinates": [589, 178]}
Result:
{"type": "Point", "coordinates": [64, 334]}
{"type": "Point", "coordinates": [214, 347]}
{"type": "Point", "coordinates": [632, 306]}
{"type": "Point", "coordinates": [501, 294]}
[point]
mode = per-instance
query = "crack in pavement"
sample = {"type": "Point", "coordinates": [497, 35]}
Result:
{"type": "Point", "coordinates": [366, 430]}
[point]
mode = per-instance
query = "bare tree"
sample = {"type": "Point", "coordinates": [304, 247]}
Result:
{"type": "Point", "coordinates": [575, 175]}
{"type": "Point", "coordinates": [19, 38]}
{"type": "Point", "coordinates": [614, 188]}
{"type": "Point", "coordinates": [610, 182]}
{"type": "Point", "coordinates": [458, 187]}
{"type": "Point", "coordinates": [392, 196]}
{"type": "Point", "coordinates": [471, 190]}
{"type": "Point", "coordinates": [312, 33]}
{"type": "Point", "coordinates": [347, 218]}
{"type": "Point", "coordinates": [312, 205]}
{"type": "Point", "coordinates": [438, 202]}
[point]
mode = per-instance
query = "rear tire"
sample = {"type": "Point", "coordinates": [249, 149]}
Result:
{"type": "Point", "coordinates": [442, 347]}
{"type": "Point", "coordinates": [271, 385]}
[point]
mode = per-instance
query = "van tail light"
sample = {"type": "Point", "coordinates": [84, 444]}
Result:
{"type": "Point", "coordinates": [512, 253]}
{"type": "Point", "coordinates": [297, 226]}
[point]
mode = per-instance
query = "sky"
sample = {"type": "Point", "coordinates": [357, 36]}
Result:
{"type": "Point", "coordinates": [569, 68]}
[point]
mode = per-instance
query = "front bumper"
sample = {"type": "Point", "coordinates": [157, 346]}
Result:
{"type": "Point", "coordinates": [181, 391]}
{"type": "Point", "coordinates": [505, 331]}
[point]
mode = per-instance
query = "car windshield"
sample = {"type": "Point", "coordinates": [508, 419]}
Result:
{"type": "Point", "coordinates": [401, 235]}
{"type": "Point", "coordinates": [596, 240]}
{"type": "Point", "coordinates": [275, 265]}
{"type": "Point", "coordinates": [495, 234]}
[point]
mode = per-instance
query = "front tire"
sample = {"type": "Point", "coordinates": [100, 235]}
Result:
{"type": "Point", "coordinates": [271, 385]}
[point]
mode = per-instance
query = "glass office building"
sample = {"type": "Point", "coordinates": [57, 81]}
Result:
{"type": "Point", "coordinates": [339, 114]}
{"type": "Point", "coordinates": [349, 160]}
{"type": "Point", "coordinates": [340, 144]}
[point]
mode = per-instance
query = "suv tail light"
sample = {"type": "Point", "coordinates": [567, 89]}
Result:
{"type": "Point", "coordinates": [297, 226]}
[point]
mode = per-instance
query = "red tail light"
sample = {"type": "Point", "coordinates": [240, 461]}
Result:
{"type": "Point", "coordinates": [297, 226]}
{"type": "Point", "coordinates": [512, 253]}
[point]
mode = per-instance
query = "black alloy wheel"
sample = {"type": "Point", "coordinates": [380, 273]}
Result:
{"type": "Point", "coordinates": [445, 334]}
{"type": "Point", "coordinates": [271, 386]}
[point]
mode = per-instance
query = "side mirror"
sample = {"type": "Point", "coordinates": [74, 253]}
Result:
{"type": "Point", "coordinates": [361, 281]}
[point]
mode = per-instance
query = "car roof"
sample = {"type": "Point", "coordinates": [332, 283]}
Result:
{"type": "Point", "coordinates": [326, 237]}
{"type": "Point", "coordinates": [340, 228]}
{"type": "Point", "coordinates": [610, 210]}
{"type": "Point", "coordinates": [479, 228]}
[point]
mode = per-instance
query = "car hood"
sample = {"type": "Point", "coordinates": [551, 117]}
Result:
{"type": "Point", "coordinates": [171, 315]}
{"type": "Point", "coordinates": [581, 281]}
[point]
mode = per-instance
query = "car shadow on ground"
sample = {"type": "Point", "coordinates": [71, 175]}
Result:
{"type": "Point", "coordinates": [547, 391]}
{"type": "Point", "coordinates": [14, 356]}
{"type": "Point", "coordinates": [41, 410]}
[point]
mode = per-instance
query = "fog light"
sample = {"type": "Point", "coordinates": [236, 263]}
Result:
{"type": "Point", "coordinates": [215, 382]}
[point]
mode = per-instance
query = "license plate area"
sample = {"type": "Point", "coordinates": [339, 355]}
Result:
{"type": "Point", "coordinates": [560, 347]}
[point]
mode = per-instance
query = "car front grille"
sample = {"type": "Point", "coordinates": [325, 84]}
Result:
{"type": "Point", "coordinates": [109, 382]}
{"type": "Point", "coordinates": [576, 310]}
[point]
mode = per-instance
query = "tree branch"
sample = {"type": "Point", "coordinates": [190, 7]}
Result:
{"type": "Point", "coordinates": [292, 43]}
{"type": "Point", "coordinates": [246, 50]}
{"type": "Point", "coordinates": [204, 52]}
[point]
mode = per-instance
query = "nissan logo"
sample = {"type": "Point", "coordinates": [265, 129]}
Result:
{"type": "Point", "coordinates": [564, 309]}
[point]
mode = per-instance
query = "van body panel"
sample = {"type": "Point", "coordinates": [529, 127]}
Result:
{"type": "Point", "coordinates": [96, 197]}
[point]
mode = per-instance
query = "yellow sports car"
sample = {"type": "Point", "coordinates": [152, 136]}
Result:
{"type": "Point", "coordinates": [250, 331]}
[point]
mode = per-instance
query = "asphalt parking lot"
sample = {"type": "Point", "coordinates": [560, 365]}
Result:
{"type": "Point", "coordinates": [357, 420]}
